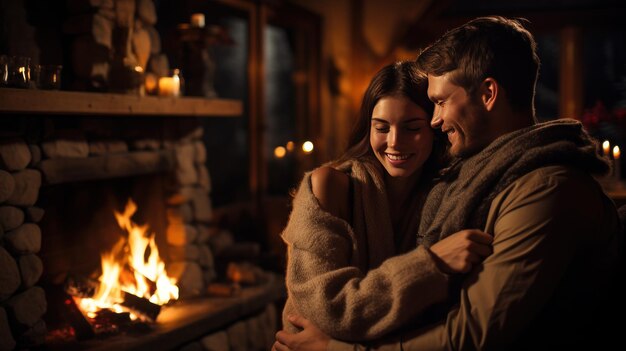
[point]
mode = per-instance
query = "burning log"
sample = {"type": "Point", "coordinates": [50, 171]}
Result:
{"type": "Point", "coordinates": [132, 285]}
{"type": "Point", "coordinates": [78, 287]}
{"type": "Point", "coordinates": [80, 324]}
{"type": "Point", "coordinates": [141, 306]}
{"type": "Point", "coordinates": [110, 322]}
{"type": "Point", "coordinates": [70, 313]}
{"type": "Point", "coordinates": [128, 278]}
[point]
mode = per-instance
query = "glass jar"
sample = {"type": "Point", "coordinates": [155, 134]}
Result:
{"type": "Point", "coordinates": [4, 71]}
{"type": "Point", "coordinates": [19, 72]}
{"type": "Point", "coordinates": [48, 77]}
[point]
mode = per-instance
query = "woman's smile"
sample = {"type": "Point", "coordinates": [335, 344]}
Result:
{"type": "Point", "coordinates": [398, 159]}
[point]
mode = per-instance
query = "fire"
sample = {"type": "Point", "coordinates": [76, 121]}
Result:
{"type": "Point", "coordinates": [126, 269]}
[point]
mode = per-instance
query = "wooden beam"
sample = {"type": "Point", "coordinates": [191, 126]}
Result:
{"type": "Point", "coordinates": [571, 74]}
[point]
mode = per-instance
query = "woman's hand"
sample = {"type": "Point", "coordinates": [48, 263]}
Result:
{"type": "Point", "coordinates": [458, 252]}
{"type": "Point", "coordinates": [309, 339]}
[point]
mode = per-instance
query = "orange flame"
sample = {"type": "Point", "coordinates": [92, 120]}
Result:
{"type": "Point", "coordinates": [126, 268]}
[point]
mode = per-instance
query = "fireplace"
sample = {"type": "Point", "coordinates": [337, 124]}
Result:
{"type": "Point", "coordinates": [63, 178]}
{"type": "Point", "coordinates": [69, 161]}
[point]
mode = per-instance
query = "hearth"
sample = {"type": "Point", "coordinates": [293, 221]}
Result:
{"type": "Point", "coordinates": [127, 288]}
{"type": "Point", "coordinates": [70, 159]}
{"type": "Point", "coordinates": [81, 188]}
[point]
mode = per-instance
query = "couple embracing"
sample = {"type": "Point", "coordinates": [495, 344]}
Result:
{"type": "Point", "coordinates": [454, 220]}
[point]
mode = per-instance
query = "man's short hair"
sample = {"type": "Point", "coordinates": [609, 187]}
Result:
{"type": "Point", "coordinates": [495, 47]}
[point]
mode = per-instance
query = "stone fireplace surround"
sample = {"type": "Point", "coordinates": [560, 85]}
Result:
{"type": "Point", "coordinates": [39, 152]}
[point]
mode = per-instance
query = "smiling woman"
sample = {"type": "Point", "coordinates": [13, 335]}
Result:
{"type": "Point", "coordinates": [401, 137]}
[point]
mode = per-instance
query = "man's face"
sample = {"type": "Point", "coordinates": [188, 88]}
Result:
{"type": "Point", "coordinates": [460, 116]}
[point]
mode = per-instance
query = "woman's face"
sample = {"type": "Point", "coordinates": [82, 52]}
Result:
{"type": "Point", "coordinates": [400, 135]}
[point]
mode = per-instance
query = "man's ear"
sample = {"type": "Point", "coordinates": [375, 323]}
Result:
{"type": "Point", "coordinates": [489, 91]}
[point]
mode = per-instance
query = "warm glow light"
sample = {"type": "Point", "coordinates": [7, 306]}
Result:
{"type": "Point", "coordinates": [280, 152]}
{"type": "Point", "coordinates": [127, 269]}
{"type": "Point", "coordinates": [197, 20]}
{"type": "Point", "coordinates": [606, 147]}
{"type": "Point", "coordinates": [307, 147]}
{"type": "Point", "coordinates": [151, 83]}
{"type": "Point", "coordinates": [168, 86]}
{"type": "Point", "coordinates": [290, 146]}
{"type": "Point", "coordinates": [616, 152]}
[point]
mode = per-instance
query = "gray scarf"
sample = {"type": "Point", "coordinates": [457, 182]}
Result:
{"type": "Point", "coordinates": [466, 189]}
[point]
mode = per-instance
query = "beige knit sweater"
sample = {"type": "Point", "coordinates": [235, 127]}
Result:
{"type": "Point", "coordinates": [336, 277]}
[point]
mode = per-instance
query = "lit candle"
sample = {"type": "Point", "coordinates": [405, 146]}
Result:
{"type": "Point", "coordinates": [170, 86]}
{"type": "Point", "coordinates": [605, 148]}
{"type": "Point", "coordinates": [616, 163]}
{"type": "Point", "coordinates": [197, 20]}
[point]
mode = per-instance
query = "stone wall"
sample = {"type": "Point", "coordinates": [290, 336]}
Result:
{"type": "Point", "coordinates": [22, 302]}
{"type": "Point", "coordinates": [42, 151]}
{"type": "Point", "coordinates": [109, 42]}
{"type": "Point", "coordinates": [255, 333]}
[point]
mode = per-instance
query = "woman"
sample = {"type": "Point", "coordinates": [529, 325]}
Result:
{"type": "Point", "coordinates": [351, 215]}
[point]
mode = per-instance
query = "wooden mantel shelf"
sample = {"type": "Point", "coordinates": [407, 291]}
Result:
{"type": "Point", "coordinates": [53, 102]}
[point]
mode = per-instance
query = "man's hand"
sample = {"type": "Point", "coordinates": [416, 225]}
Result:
{"type": "Point", "coordinates": [309, 339]}
{"type": "Point", "coordinates": [460, 251]}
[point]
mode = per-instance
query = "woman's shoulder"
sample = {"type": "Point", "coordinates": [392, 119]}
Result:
{"type": "Point", "coordinates": [327, 178]}
{"type": "Point", "coordinates": [331, 187]}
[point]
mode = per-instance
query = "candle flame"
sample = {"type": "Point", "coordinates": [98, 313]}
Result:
{"type": "Point", "coordinates": [616, 152]}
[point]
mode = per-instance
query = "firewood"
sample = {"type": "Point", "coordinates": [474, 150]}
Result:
{"type": "Point", "coordinates": [80, 287]}
{"type": "Point", "coordinates": [77, 320]}
{"type": "Point", "coordinates": [109, 322]}
{"type": "Point", "coordinates": [127, 276]}
{"type": "Point", "coordinates": [141, 306]}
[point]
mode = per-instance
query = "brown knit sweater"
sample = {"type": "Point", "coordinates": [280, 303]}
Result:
{"type": "Point", "coordinates": [335, 273]}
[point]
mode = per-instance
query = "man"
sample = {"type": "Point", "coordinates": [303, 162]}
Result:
{"type": "Point", "coordinates": [557, 239]}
